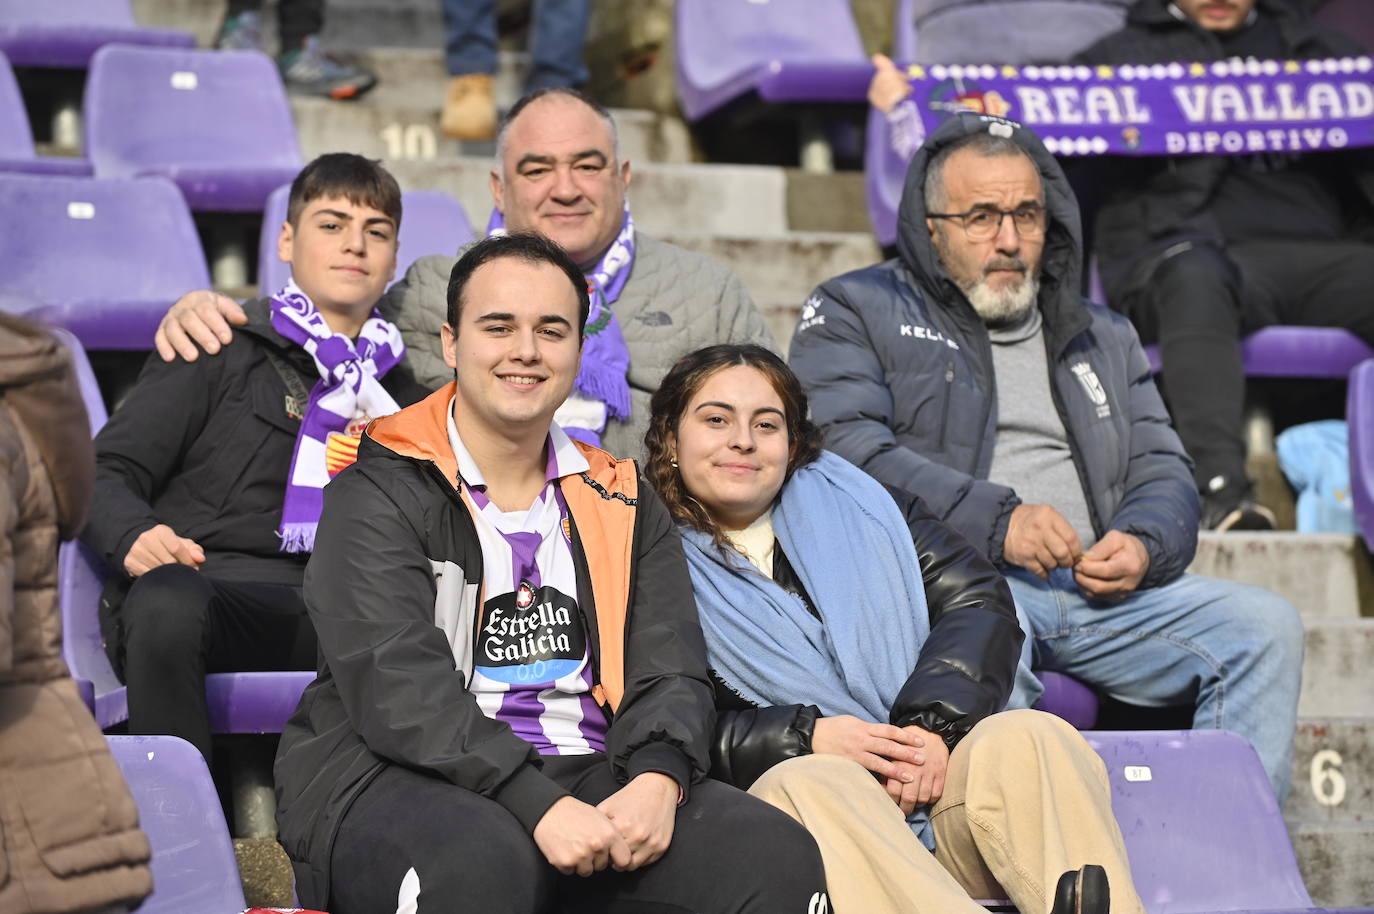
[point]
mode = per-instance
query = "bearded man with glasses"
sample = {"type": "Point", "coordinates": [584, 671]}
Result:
{"type": "Point", "coordinates": [970, 372]}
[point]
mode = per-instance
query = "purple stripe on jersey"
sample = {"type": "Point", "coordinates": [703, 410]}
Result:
{"type": "Point", "coordinates": [479, 497]}
{"type": "Point", "coordinates": [551, 468]}
{"type": "Point", "coordinates": [593, 726]}
{"type": "Point", "coordinates": [524, 548]}
{"type": "Point", "coordinates": [521, 708]}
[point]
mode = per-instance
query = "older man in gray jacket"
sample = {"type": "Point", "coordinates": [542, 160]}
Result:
{"type": "Point", "coordinates": [559, 173]}
{"type": "Point", "coordinates": [970, 371]}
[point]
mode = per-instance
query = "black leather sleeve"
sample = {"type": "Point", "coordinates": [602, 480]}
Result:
{"type": "Point", "coordinates": [966, 666]}
{"type": "Point", "coordinates": [751, 740]}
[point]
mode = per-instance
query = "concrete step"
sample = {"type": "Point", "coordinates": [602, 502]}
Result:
{"type": "Point", "coordinates": [1333, 771]}
{"type": "Point", "coordinates": [1338, 670]}
{"type": "Point", "coordinates": [1337, 862]}
{"type": "Point", "coordinates": [398, 125]}
{"type": "Point", "coordinates": [1326, 575]}
{"type": "Point", "coordinates": [738, 200]}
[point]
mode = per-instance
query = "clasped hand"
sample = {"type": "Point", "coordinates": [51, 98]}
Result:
{"type": "Point", "coordinates": [629, 829]}
{"type": "Point", "coordinates": [910, 762]}
{"type": "Point", "coordinates": [1040, 539]}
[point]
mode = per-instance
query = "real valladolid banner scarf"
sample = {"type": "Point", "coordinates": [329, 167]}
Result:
{"type": "Point", "coordinates": [1224, 107]}
{"type": "Point", "coordinates": [348, 386]}
{"type": "Point", "coordinates": [605, 359]}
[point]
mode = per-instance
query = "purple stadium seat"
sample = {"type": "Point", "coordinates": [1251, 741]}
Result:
{"type": "Point", "coordinates": [1202, 827]}
{"type": "Point", "coordinates": [16, 139]}
{"type": "Point", "coordinates": [1068, 698]}
{"type": "Point", "coordinates": [1295, 352]}
{"type": "Point", "coordinates": [432, 222]}
{"type": "Point", "coordinates": [1359, 417]}
{"type": "Point", "coordinates": [65, 33]}
{"type": "Point", "coordinates": [194, 869]}
{"type": "Point", "coordinates": [103, 258]}
{"type": "Point", "coordinates": [784, 50]}
{"type": "Point", "coordinates": [215, 122]}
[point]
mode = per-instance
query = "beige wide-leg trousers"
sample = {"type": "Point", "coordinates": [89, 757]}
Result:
{"type": "Point", "coordinates": [1025, 800]}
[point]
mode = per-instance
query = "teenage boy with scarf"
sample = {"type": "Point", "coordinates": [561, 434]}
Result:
{"type": "Point", "coordinates": [559, 173]}
{"type": "Point", "coordinates": [210, 474]}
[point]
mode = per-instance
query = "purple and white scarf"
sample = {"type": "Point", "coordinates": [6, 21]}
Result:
{"type": "Point", "coordinates": [348, 386]}
{"type": "Point", "coordinates": [605, 358]}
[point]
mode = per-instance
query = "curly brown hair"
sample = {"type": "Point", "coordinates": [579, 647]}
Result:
{"type": "Point", "coordinates": [670, 401]}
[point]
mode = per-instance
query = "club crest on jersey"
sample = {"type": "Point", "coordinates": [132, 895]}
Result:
{"type": "Point", "coordinates": [524, 595]}
{"type": "Point", "coordinates": [566, 525]}
{"type": "Point", "coordinates": [1096, 393]}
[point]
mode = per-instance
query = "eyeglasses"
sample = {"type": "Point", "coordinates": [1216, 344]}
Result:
{"type": "Point", "coordinates": [984, 222]}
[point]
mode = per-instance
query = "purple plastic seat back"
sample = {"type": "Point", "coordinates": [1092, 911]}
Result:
{"type": "Point", "coordinates": [1068, 698]}
{"type": "Point", "coordinates": [432, 222]}
{"type": "Point", "coordinates": [1359, 417]}
{"type": "Point", "coordinates": [1295, 352]}
{"type": "Point", "coordinates": [103, 258]}
{"type": "Point", "coordinates": [785, 50]}
{"type": "Point", "coordinates": [1202, 827]}
{"type": "Point", "coordinates": [65, 33]}
{"type": "Point", "coordinates": [178, 809]}
{"type": "Point", "coordinates": [1027, 31]}
{"type": "Point", "coordinates": [215, 122]}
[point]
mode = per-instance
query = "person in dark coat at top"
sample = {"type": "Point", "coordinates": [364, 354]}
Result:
{"type": "Point", "coordinates": [1200, 250]}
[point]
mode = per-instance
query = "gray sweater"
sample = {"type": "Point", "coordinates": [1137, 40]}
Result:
{"type": "Point", "coordinates": [674, 302]}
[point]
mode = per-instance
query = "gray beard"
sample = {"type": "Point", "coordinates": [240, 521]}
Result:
{"type": "Point", "coordinates": [1005, 307]}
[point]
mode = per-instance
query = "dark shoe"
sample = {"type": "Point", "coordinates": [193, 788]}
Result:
{"type": "Point", "coordinates": [240, 33]}
{"type": "Point", "coordinates": [1228, 506]}
{"type": "Point", "coordinates": [310, 71]}
{"type": "Point", "coordinates": [1083, 891]}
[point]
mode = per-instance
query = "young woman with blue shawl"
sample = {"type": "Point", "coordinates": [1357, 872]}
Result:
{"type": "Point", "coordinates": [861, 651]}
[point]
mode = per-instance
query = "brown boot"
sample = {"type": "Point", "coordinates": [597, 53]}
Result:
{"type": "Point", "coordinates": [469, 110]}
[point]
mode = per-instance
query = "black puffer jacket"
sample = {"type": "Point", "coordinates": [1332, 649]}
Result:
{"type": "Point", "coordinates": [963, 674]}
{"type": "Point", "coordinates": [1154, 203]}
{"type": "Point", "coordinates": [205, 447]}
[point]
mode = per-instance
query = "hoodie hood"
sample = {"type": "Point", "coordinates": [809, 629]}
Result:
{"type": "Point", "coordinates": [1060, 262]}
{"type": "Point", "coordinates": [38, 382]}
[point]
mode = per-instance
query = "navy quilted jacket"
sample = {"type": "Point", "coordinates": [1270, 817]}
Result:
{"type": "Point", "coordinates": [899, 371]}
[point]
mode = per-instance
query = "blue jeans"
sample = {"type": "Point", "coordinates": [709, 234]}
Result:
{"type": "Point", "coordinates": [1231, 650]}
{"type": "Point", "coordinates": [556, 38]}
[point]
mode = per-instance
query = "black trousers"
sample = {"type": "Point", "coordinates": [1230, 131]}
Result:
{"type": "Point", "coordinates": [1200, 302]}
{"type": "Point", "coordinates": [295, 19]}
{"type": "Point", "coordinates": [731, 854]}
{"type": "Point", "coordinates": [180, 625]}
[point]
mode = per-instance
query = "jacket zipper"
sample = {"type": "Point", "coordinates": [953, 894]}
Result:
{"type": "Point", "coordinates": [944, 411]}
{"type": "Point", "coordinates": [1073, 449]}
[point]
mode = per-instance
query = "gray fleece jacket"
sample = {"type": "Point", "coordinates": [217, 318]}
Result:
{"type": "Point", "coordinates": [674, 302]}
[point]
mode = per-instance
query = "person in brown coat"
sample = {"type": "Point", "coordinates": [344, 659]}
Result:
{"type": "Point", "coordinates": [69, 835]}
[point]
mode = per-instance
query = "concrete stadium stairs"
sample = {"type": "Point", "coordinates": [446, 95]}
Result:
{"type": "Point", "coordinates": [783, 232]}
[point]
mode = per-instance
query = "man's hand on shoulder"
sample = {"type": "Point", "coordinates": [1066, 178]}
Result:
{"type": "Point", "coordinates": [1113, 568]}
{"type": "Point", "coordinates": [644, 812]}
{"type": "Point", "coordinates": [577, 838]}
{"type": "Point", "coordinates": [199, 320]}
{"type": "Point", "coordinates": [160, 545]}
{"type": "Point", "coordinates": [1040, 540]}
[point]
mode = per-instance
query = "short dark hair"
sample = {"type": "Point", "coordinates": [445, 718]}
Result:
{"type": "Point", "coordinates": [566, 92]}
{"type": "Point", "coordinates": [526, 246]}
{"type": "Point", "coordinates": [987, 145]}
{"type": "Point", "coordinates": [669, 404]}
{"type": "Point", "coordinates": [361, 181]}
